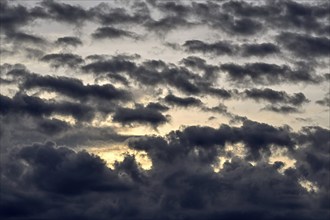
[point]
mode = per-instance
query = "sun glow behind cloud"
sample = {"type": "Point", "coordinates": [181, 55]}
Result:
{"type": "Point", "coordinates": [117, 153]}
{"type": "Point", "coordinates": [164, 109]}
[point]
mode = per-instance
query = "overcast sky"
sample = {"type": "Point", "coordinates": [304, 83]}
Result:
{"type": "Point", "coordinates": [165, 109]}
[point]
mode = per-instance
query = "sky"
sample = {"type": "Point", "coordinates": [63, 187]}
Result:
{"type": "Point", "coordinates": [153, 109]}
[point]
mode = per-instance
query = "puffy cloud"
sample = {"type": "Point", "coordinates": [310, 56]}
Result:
{"type": "Point", "coordinates": [139, 115]}
{"type": "Point", "coordinates": [63, 59]}
{"type": "Point", "coordinates": [74, 88]}
{"type": "Point", "coordinates": [110, 32]}
{"type": "Point", "coordinates": [182, 102]}
{"type": "Point", "coordinates": [265, 73]}
{"type": "Point", "coordinates": [262, 50]}
{"type": "Point", "coordinates": [34, 106]}
{"type": "Point", "coordinates": [200, 169]}
{"type": "Point", "coordinates": [218, 48]}
{"type": "Point", "coordinates": [276, 96]}
{"type": "Point", "coordinates": [68, 41]}
{"type": "Point", "coordinates": [305, 45]}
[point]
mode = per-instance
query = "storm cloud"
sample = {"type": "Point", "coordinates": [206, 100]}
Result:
{"type": "Point", "coordinates": [154, 109]}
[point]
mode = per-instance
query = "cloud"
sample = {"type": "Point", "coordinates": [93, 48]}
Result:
{"type": "Point", "coordinates": [139, 115]}
{"type": "Point", "coordinates": [75, 88]}
{"type": "Point", "coordinates": [180, 181]}
{"type": "Point", "coordinates": [284, 109]}
{"type": "Point", "coordinates": [223, 110]}
{"type": "Point", "coordinates": [14, 16]}
{"type": "Point", "coordinates": [50, 122]}
{"type": "Point", "coordinates": [157, 106]}
{"type": "Point", "coordinates": [57, 60]}
{"type": "Point", "coordinates": [111, 32]}
{"type": "Point", "coordinates": [273, 96]}
{"type": "Point", "coordinates": [268, 74]}
{"type": "Point", "coordinates": [283, 15]}
{"type": "Point", "coordinates": [21, 37]}
{"type": "Point", "coordinates": [109, 15]}
{"type": "Point", "coordinates": [63, 12]}
{"type": "Point", "coordinates": [182, 102]}
{"type": "Point", "coordinates": [68, 41]}
{"type": "Point", "coordinates": [263, 49]}
{"type": "Point", "coordinates": [305, 45]}
{"type": "Point", "coordinates": [325, 101]}
{"type": "Point", "coordinates": [34, 106]}
{"type": "Point", "coordinates": [218, 48]}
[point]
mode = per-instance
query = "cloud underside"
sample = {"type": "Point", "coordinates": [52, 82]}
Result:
{"type": "Point", "coordinates": [232, 120]}
{"type": "Point", "coordinates": [48, 181]}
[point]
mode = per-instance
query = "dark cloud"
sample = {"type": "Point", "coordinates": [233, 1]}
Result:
{"type": "Point", "coordinates": [284, 109]}
{"type": "Point", "coordinates": [197, 63]}
{"type": "Point", "coordinates": [52, 126]}
{"type": "Point", "coordinates": [34, 106]}
{"type": "Point", "coordinates": [261, 50]}
{"type": "Point", "coordinates": [74, 88]}
{"type": "Point", "coordinates": [139, 115]}
{"type": "Point", "coordinates": [12, 73]}
{"type": "Point", "coordinates": [69, 41]}
{"type": "Point", "coordinates": [63, 12]}
{"type": "Point", "coordinates": [13, 16]}
{"type": "Point", "coordinates": [182, 101]}
{"type": "Point", "coordinates": [265, 73]}
{"type": "Point", "coordinates": [223, 110]}
{"type": "Point", "coordinates": [46, 175]}
{"type": "Point", "coordinates": [57, 60]}
{"type": "Point", "coordinates": [256, 137]}
{"type": "Point", "coordinates": [243, 26]}
{"type": "Point", "coordinates": [113, 65]}
{"type": "Point", "coordinates": [305, 45]}
{"type": "Point", "coordinates": [111, 32]}
{"type": "Point", "coordinates": [109, 15]}
{"type": "Point", "coordinates": [149, 73]}
{"type": "Point", "coordinates": [226, 48]}
{"type": "Point", "coordinates": [273, 96]}
{"type": "Point", "coordinates": [180, 182]}
{"type": "Point", "coordinates": [313, 157]}
{"type": "Point", "coordinates": [217, 48]}
{"type": "Point", "coordinates": [21, 37]}
{"type": "Point", "coordinates": [167, 24]}
{"type": "Point", "coordinates": [33, 53]}
{"type": "Point", "coordinates": [325, 101]}
{"type": "Point", "coordinates": [284, 15]}
{"type": "Point", "coordinates": [157, 106]}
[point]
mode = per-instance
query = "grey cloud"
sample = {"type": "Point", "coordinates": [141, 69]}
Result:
{"type": "Point", "coordinates": [268, 74]}
{"type": "Point", "coordinates": [69, 13]}
{"type": "Point", "coordinates": [305, 45]}
{"type": "Point", "coordinates": [284, 15]}
{"type": "Point", "coordinates": [262, 49]}
{"type": "Point", "coordinates": [180, 182]}
{"type": "Point", "coordinates": [223, 110]}
{"type": "Point", "coordinates": [284, 109]}
{"type": "Point", "coordinates": [325, 101]}
{"type": "Point", "coordinates": [157, 106]}
{"type": "Point", "coordinates": [69, 41]}
{"type": "Point", "coordinates": [273, 96]}
{"type": "Point", "coordinates": [75, 88]}
{"type": "Point", "coordinates": [226, 48]}
{"type": "Point", "coordinates": [218, 48]}
{"type": "Point", "coordinates": [57, 60]}
{"type": "Point", "coordinates": [182, 101]}
{"type": "Point", "coordinates": [139, 115]}
{"type": "Point", "coordinates": [111, 32]}
{"type": "Point", "coordinates": [21, 37]}
{"type": "Point", "coordinates": [109, 15]}
{"type": "Point", "coordinates": [34, 106]}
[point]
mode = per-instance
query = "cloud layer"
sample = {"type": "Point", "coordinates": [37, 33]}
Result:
{"type": "Point", "coordinates": [227, 100]}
